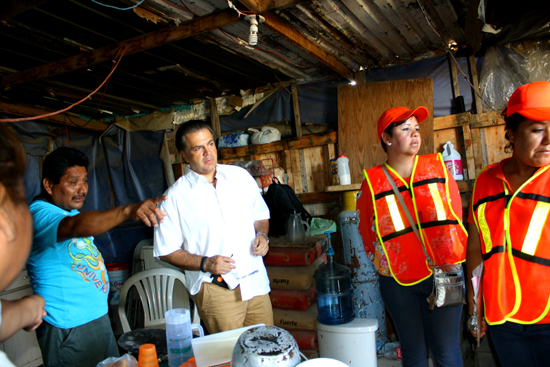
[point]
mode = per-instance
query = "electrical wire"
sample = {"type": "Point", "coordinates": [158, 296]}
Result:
{"type": "Point", "coordinates": [102, 96]}
{"type": "Point", "coordinates": [448, 50]}
{"type": "Point", "coordinates": [117, 8]}
{"type": "Point", "coordinates": [74, 104]}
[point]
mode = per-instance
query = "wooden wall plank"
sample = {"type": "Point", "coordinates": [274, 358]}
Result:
{"type": "Point", "coordinates": [296, 170]}
{"type": "Point", "coordinates": [296, 107]}
{"type": "Point", "coordinates": [359, 108]}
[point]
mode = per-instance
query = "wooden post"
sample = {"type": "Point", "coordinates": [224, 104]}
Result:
{"type": "Point", "coordinates": [215, 119]}
{"type": "Point", "coordinates": [466, 132]}
{"type": "Point", "coordinates": [477, 141]}
{"type": "Point", "coordinates": [297, 120]}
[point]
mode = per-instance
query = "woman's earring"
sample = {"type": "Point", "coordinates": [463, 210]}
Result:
{"type": "Point", "coordinates": [389, 143]}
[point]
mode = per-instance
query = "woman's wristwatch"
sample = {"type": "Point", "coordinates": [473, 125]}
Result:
{"type": "Point", "coordinates": [263, 234]}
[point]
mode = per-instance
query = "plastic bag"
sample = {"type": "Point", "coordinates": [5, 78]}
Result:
{"type": "Point", "coordinates": [320, 226]}
{"type": "Point", "coordinates": [233, 140]}
{"type": "Point", "coordinates": [507, 68]}
{"type": "Point", "coordinates": [266, 135]}
{"type": "Point", "coordinates": [126, 360]}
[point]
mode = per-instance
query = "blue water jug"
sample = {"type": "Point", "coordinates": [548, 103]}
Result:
{"type": "Point", "coordinates": [334, 292]}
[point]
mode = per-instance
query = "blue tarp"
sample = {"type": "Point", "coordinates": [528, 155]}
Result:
{"type": "Point", "coordinates": [318, 102]}
{"type": "Point", "coordinates": [124, 169]}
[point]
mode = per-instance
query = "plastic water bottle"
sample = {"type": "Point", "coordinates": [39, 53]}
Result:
{"type": "Point", "coordinates": [344, 177]}
{"type": "Point", "coordinates": [453, 161]}
{"type": "Point", "coordinates": [334, 292]}
{"type": "Point", "coordinates": [392, 350]}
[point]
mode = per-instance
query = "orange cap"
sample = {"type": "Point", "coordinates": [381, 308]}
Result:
{"type": "Point", "coordinates": [399, 114]}
{"type": "Point", "coordinates": [531, 101]}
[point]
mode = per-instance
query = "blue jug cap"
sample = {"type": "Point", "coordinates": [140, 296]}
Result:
{"type": "Point", "coordinates": [330, 251]}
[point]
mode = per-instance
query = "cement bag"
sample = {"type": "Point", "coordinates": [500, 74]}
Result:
{"type": "Point", "coordinates": [266, 135]}
{"type": "Point", "coordinates": [296, 320]}
{"type": "Point", "coordinates": [306, 339]}
{"type": "Point", "coordinates": [292, 300]}
{"type": "Point", "coordinates": [294, 277]}
{"type": "Point", "coordinates": [294, 256]}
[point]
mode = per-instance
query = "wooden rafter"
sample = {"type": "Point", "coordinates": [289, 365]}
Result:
{"type": "Point", "coordinates": [261, 6]}
{"type": "Point", "coordinates": [279, 26]}
{"type": "Point", "coordinates": [143, 42]}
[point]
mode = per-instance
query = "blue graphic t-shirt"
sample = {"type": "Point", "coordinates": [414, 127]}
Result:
{"type": "Point", "coordinates": [70, 275]}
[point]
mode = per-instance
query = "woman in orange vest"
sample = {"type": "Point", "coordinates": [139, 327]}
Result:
{"type": "Point", "coordinates": [510, 234]}
{"type": "Point", "coordinates": [431, 196]}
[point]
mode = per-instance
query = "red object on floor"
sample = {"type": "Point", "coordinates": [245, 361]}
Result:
{"type": "Point", "coordinates": [293, 300]}
{"type": "Point", "coordinates": [292, 256]}
{"type": "Point", "coordinates": [305, 339]}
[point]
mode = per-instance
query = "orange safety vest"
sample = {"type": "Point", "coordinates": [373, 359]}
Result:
{"type": "Point", "coordinates": [514, 231]}
{"type": "Point", "coordinates": [443, 235]}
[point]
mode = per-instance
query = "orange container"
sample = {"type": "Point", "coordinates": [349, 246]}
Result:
{"type": "Point", "coordinates": [148, 356]}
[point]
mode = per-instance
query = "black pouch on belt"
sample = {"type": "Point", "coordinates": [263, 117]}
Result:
{"type": "Point", "coordinates": [218, 280]}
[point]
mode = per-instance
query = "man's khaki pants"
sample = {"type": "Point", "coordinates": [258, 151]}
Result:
{"type": "Point", "coordinates": [221, 309]}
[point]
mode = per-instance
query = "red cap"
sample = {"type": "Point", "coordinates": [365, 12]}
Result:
{"type": "Point", "coordinates": [399, 114]}
{"type": "Point", "coordinates": [532, 101]}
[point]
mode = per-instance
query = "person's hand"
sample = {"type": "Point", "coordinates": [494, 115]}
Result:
{"type": "Point", "coordinates": [148, 212]}
{"type": "Point", "coordinates": [35, 306]}
{"type": "Point", "coordinates": [261, 246]}
{"type": "Point", "coordinates": [482, 328]}
{"type": "Point", "coordinates": [219, 265]}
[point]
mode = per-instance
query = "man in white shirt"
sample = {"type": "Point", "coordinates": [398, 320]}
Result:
{"type": "Point", "coordinates": [216, 230]}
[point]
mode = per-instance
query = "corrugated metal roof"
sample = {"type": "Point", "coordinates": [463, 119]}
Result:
{"type": "Point", "coordinates": [304, 41]}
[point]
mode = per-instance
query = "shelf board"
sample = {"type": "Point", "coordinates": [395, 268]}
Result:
{"type": "Point", "coordinates": [335, 188]}
{"type": "Point", "coordinates": [464, 186]}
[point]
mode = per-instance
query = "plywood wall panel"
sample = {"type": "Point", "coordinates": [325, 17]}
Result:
{"type": "Point", "coordinates": [496, 142]}
{"type": "Point", "coordinates": [359, 108]}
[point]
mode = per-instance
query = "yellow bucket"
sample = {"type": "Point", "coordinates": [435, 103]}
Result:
{"type": "Point", "coordinates": [349, 200]}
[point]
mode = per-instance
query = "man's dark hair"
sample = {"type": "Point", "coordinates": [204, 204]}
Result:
{"type": "Point", "coordinates": [187, 128]}
{"type": "Point", "coordinates": [57, 162]}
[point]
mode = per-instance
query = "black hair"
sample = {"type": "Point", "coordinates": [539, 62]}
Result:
{"type": "Point", "coordinates": [512, 123]}
{"type": "Point", "coordinates": [389, 131]}
{"type": "Point", "coordinates": [12, 164]}
{"type": "Point", "coordinates": [57, 162]}
{"type": "Point", "coordinates": [187, 128]}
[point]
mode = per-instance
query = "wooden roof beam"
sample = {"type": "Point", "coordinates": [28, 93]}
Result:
{"type": "Point", "coordinates": [143, 42]}
{"type": "Point", "coordinates": [279, 26]}
{"type": "Point", "coordinates": [261, 6]}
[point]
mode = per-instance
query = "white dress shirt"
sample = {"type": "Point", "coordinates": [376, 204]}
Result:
{"type": "Point", "coordinates": [207, 220]}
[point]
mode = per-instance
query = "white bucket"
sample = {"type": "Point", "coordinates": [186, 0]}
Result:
{"type": "Point", "coordinates": [353, 343]}
{"type": "Point", "coordinates": [118, 274]}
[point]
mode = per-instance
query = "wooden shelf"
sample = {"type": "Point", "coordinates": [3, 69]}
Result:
{"type": "Point", "coordinates": [464, 186]}
{"type": "Point", "coordinates": [336, 188]}
{"type": "Point", "coordinates": [281, 145]}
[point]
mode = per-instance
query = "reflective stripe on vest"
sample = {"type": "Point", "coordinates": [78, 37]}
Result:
{"type": "Point", "coordinates": [428, 200]}
{"type": "Point", "coordinates": [515, 243]}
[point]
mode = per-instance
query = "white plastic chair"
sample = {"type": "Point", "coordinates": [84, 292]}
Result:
{"type": "Point", "coordinates": [156, 289]}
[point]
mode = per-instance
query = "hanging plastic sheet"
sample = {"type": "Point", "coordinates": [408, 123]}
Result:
{"type": "Point", "coordinates": [507, 68]}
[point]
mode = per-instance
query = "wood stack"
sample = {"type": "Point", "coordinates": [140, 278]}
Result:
{"type": "Point", "coordinates": [290, 270]}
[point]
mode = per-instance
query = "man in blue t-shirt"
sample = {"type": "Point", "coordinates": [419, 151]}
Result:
{"type": "Point", "coordinates": [67, 269]}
